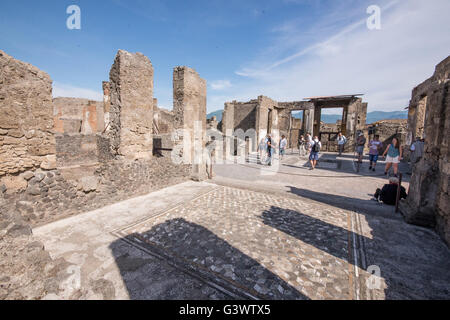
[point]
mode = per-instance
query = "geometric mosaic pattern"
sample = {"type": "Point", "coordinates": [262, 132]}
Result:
{"type": "Point", "coordinates": [253, 245]}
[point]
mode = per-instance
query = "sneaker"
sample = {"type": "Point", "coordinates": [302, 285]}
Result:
{"type": "Point", "coordinates": [370, 168]}
{"type": "Point", "coordinates": [373, 169]}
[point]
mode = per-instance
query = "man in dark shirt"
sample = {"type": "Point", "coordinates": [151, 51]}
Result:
{"type": "Point", "coordinates": [388, 194]}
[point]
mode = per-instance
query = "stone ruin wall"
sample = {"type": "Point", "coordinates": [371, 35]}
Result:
{"type": "Point", "coordinates": [57, 161]}
{"type": "Point", "coordinates": [163, 128]}
{"type": "Point", "coordinates": [245, 115]}
{"type": "Point", "coordinates": [131, 111]}
{"type": "Point", "coordinates": [26, 123]}
{"type": "Point", "coordinates": [241, 115]}
{"type": "Point", "coordinates": [189, 99]}
{"type": "Point", "coordinates": [78, 127]}
{"type": "Point", "coordinates": [78, 116]}
{"type": "Point", "coordinates": [26, 144]}
{"type": "Point", "coordinates": [428, 200]}
{"type": "Point", "coordinates": [65, 169]}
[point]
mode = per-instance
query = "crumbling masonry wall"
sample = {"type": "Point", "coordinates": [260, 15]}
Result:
{"type": "Point", "coordinates": [41, 187]}
{"type": "Point", "coordinates": [428, 200]}
{"type": "Point", "coordinates": [26, 122]}
{"type": "Point", "coordinates": [131, 112]}
{"type": "Point", "coordinates": [189, 98]}
{"type": "Point", "coordinates": [78, 116]}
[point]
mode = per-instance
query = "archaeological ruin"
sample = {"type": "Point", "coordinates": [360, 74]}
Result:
{"type": "Point", "coordinates": [63, 156]}
{"type": "Point", "coordinates": [60, 157]}
{"type": "Point", "coordinates": [429, 117]}
{"type": "Point", "coordinates": [266, 116]}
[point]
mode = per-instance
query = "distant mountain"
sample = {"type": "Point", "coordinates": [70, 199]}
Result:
{"type": "Point", "coordinates": [217, 114]}
{"type": "Point", "coordinates": [381, 115]}
{"type": "Point", "coordinates": [332, 118]}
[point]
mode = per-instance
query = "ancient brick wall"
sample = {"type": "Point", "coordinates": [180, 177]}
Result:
{"type": "Point", "coordinates": [131, 113]}
{"type": "Point", "coordinates": [189, 98]}
{"type": "Point", "coordinates": [78, 116]}
{"type": "Point", "coordinates": [26, 122]}
{"type": "Point", "coordinates": [245, 115]}
{"type": "Point", "coordinates": [267, 118]}
{"type": "Point", "coordinates": [163, 128]}
{"type": "Point", "coordinates": [428, 199]}
{"type": "Point", "coordinates": [44, 175]}
{"type": "Point", "coordinates": [53, 194]}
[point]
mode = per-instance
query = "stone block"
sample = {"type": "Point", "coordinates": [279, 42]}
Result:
{"type": "Point", "coordinates": [88, 184]}
{"type": "Point", "coordinates": [131, 112]}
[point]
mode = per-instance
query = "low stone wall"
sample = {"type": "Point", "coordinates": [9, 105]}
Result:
{"type": "Point", "coordinates": [78, 149]}
{"type": "Point", "coordinates": [50, 195]}
{"type": "Point", "coordinates": [26, 269]}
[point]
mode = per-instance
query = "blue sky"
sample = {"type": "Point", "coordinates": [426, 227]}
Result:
{"type": "Point", "coordinates": [285, 49]}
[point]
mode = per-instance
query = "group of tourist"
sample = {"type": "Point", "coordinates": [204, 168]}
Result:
{"type": "Point", "coordinates": [393, 154]}
{"type": "Point", "coordinates": [267, 149]}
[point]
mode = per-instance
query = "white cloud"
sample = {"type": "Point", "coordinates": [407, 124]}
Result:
{"type": "Point", "coordinates": [220, 84]}
{"type": "Point", "coordinates": [65, 90]}
{"type": "Point", "coordinates": [384, 64]}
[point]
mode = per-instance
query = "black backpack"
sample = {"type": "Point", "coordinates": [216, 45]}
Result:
{"type": "Point", "coordinates": [316, 147]}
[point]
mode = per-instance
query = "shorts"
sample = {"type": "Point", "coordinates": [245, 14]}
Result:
{"type": "Point", "coordinates": [360, 149]}
{"type": "Point", "coordinates": [282, 152]}
{"type": "Point", "coordinates": [373, 157]}
{"type": "Point", "coordinates": [314, 156]}
{"type": "Point", "coordinates": [390, 159]}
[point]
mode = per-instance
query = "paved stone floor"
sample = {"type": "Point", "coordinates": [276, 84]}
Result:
{"type": "Point", "coordinates": [289, 235]}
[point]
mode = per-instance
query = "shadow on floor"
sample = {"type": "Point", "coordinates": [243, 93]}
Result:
{"type": "Point", "coordinates": [414, 261]}
{"type": "Point", "coordinates": [315, 232]}
{"type": "Point", "coordinates": [200, 264]}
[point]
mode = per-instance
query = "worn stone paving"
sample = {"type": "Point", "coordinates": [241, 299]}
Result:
{"type": "Point", "coordinates": [256, 245]}
{"type": "Point", "coordinates": [286, 236]}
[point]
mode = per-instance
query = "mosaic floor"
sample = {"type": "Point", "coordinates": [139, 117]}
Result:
{"type": "Point", "coordinates": [252, 245]}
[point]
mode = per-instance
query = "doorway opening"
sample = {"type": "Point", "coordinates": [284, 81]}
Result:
{"type": "Point", "coordinates": [332, 121]}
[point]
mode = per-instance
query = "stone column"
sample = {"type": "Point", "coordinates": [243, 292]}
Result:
{"type": "Point", "coordinates": [189, 97]}
{"type": "Point", "coordinates": [131, 113]}
{"type": "Point", "coordinates": [308, 121]}
{"type": "Point", "coordinates": [316, 124]}
{"type": "Point", "coordinates": [228, 130]}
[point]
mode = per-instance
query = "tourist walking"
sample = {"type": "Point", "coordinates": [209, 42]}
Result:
{"type": "Point", "coordinates": [302, 146]}
{"type": "Point", "coordinates": [262, 149]}
{"type": "Point", "coordinates": [341, 140]}
{"type": "Point", "coordinates": [282, 146]}
{"type": "Point", "coordinates": [394, 156]}
{"type": "Point", "coordinates": [315, 150]}
{"type": "Point", "coordinates": [374, 147]}
{"type": "Point", "coordinates": [269, 150]}
{"type": "Point", "coordinates": [360, 143]}
{"type": "Point", "coordinates": [308, 142]}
